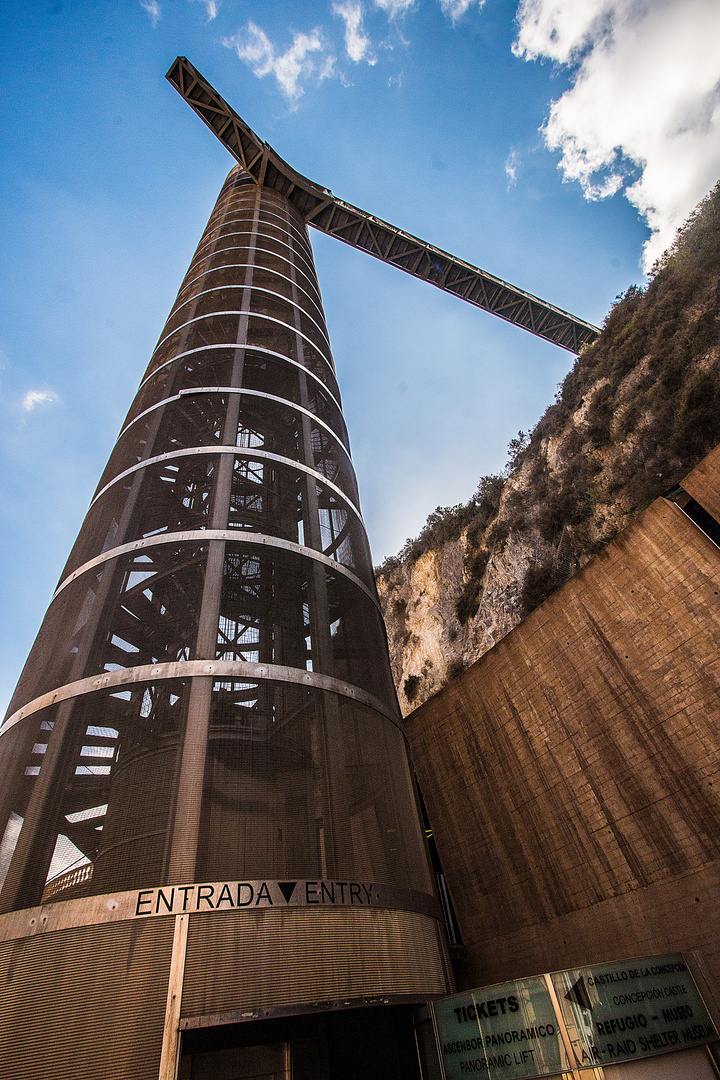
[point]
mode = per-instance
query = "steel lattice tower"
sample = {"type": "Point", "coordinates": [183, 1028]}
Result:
{"type": "Point", "coordinates": [209, 698]}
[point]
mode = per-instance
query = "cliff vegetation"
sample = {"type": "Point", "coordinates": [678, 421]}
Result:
{"type": "Point", "coordinates": [639, 409]}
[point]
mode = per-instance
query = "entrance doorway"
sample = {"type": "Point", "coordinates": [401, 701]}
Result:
{"type": "Point", "coordinates": [347, 1044]}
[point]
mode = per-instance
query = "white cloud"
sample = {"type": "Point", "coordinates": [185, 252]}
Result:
{"type": "Point", "coordinates": [34, 398]}
{"type": "Point", "coordinates": [153, 9]}
{"type": "Point", "coordinates": [558, 29]}
{"type": "Point", "coordinates": [357, 42]}
{"type": "Point", "coordinates": [211, 8]}
{"type": "Point", "coordinates": [456, 8]}
{"type": "Point", "coordinates": [327, 68]}
{"type": "Point", "coordinates": [643, 113]}
{"type": "Point", "coordinates": [289, 68]}
{"type": "Point", "coordinates": [511, 168]}
{"type": "Point", "coordinates": [393, 8]}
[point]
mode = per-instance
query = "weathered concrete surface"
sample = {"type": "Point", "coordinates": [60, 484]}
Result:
{"type": "Point", "coordinates": [572, 774]}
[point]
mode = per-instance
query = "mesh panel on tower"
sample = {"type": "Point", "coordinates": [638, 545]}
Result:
{"type": "Point", "coordinates": [225, 527]}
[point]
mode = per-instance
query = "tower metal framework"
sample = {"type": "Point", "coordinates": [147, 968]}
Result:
{"type": "Point", "coordinates": [207, 725]}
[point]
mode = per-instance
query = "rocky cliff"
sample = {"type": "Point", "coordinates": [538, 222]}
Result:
{"type": "Point", "coordinates": [638, 410]}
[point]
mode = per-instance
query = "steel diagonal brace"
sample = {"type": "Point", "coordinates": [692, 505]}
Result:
{"type": "Point", "coordinates": [321, 209]}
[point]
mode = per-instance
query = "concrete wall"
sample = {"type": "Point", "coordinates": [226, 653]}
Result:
{"type": "Point", "coordinates": [572, 775]}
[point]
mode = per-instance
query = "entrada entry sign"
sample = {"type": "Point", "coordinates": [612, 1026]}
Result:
{"type": "Point", "coordinates": [600, 1015]}
{"type": "Point", "coordinates": [632, 1009]}
{"type": "Point", "coordinates": [504, 1032]}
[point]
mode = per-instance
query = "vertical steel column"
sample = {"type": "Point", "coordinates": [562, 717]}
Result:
{"type": "Point", "coordinates": [186, 824]}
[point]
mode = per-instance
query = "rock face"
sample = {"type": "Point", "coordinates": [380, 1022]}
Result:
{"type": "Point", "coordinates": [636, 413]}
{"type": "Point", "coordinates": [428, 642]}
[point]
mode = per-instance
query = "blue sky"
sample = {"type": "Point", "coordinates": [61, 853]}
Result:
{"type": "Point", "coordinates": [546, 142]}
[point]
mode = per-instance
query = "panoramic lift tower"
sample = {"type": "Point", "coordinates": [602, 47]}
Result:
{"type": "Point", "coordinates": [208, 819]}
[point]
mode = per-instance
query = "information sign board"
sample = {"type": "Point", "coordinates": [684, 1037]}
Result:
{"type": "Point", "coordinates": [503, 1032]}
{"type": "Point", "coordinates": [632, 1009]}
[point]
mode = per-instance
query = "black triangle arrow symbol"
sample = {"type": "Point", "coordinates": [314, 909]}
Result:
{"type": "Point", "coordinates": [287, 888]}
{"type": "Point", "coordinates": [578, 994]}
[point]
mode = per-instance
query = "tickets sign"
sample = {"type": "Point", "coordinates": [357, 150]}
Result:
{"type": "Point", "coordinates": [506, 1032]}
